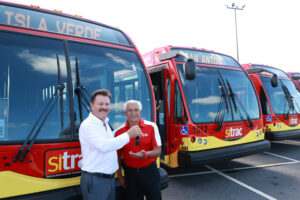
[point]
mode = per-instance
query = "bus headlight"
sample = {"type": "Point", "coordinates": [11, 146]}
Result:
{"type": "Point", "coordinates": [199, 141]}
{"type": "Point", "coordinates": [204, 141]}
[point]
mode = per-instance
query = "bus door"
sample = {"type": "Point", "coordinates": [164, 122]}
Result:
{"type": "Point", "coordinates": [159, 81]}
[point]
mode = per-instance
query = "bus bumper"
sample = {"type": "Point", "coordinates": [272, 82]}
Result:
{"type": "Point", "coordinates": [283, 135]}
{"type": "Point", "coordinates": [74, 193]}
{"type": "Point", "coordinates": [186, 158]}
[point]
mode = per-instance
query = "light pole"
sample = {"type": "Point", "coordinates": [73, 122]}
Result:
{"type": "Point", "coordinates": [235, 7]}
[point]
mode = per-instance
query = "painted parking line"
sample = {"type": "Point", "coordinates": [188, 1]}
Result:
{"type": "Point", "coordinates": [242, 184]}
{"type": "Point", "coordinates": [292, 141]}
{"type": "Point", "coordinates": [234, 169]}
{"type": "Point", "coordinates": [284, 157]}
{"type": "Point", "coordinates": [259, 166]}
{"type": "Point", "coordinates": [190, 174]}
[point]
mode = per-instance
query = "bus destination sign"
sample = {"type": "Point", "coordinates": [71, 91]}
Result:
{"type": "Point", "coordinates": [26, 18]}
{"type": "Point", "coordinates": [205, 57]}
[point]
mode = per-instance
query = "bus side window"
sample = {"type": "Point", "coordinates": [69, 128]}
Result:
{"type": "Point", "coordinates": [264, 102]}
{"type": "Point", "coordinates": [156, 79]}
{"type": "Point", "coordinates": [179, 111]}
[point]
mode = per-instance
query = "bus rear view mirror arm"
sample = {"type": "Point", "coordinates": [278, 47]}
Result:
{"type": "Point", "coordinates": [296, 77]}
{"type": "Point", "coordinates": [189, 66]}
{"type": "Point", "coordinates": [172, 54]}
{"type": "Point", "coordinates": [274, 79]}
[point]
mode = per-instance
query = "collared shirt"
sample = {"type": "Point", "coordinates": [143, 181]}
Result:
{"type": "Point", "coordinates": [98, 146]}
{"type": "Point", "coordinates": [148, 141]}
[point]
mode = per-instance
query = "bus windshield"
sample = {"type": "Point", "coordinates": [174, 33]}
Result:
{"type": "Point", "coordinates": [296, 75]}
{"type": "Point", "coordinates": [29, 73]}
{"type": "Point", "coordinates": [279, 98]}
{"type": "Point", "coordinates": [204, 100]}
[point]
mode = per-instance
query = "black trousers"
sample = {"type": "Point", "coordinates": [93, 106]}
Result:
{"type": "Point", "coordinates": [143, 182]}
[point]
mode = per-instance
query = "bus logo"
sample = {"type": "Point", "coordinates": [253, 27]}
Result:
{"type": "Point", "coordinates": [184, 130]}
{"type": "Point", "coordinates": [233, 132]}
{"type": "Point", "coordinates": [62, 162]}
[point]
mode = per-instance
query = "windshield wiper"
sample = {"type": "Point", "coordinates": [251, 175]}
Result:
{"type": "Point", "coordinates": [61, 104]}
{"type": "Point", "coordinates": [220, 113]}
{"type": "Point", "coordinates": [81, 93]}
{"type": "Point", "coordinates": [235, 97]}
{"type": "Point", "coordinates": [289, 99]}
{"type": "Point", "coordinates": [42, 119]}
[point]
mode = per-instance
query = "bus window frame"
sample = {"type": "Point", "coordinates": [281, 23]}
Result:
{"type": "Point", "coordinates": [66, 51]}
{"type": "Point", "coordinates": [184, 117]}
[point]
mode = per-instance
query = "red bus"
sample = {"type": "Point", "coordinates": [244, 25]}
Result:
{"type": "Point", "coordinates": [207, 108]}
{"type": "Point", "coordinates": [280, 105]}
{"type": "Point", "coordinates": [50, 63]}
{"type": "Point", "coordinates": [295, 77]}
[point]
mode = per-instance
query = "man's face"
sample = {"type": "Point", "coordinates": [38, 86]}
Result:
{"type": "Point", "coordinates": [101, 106]}
{"type": "Point", "coordinates": [133, 113]}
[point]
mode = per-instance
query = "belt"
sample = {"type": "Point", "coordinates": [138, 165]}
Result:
{"type": "Point", "coordinates": [99, 174]}
{"type": "Point", "coordinates": [142, 169]}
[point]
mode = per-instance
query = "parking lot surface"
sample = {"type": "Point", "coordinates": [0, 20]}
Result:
{"type": "Point", "coordinates": [268, 175]}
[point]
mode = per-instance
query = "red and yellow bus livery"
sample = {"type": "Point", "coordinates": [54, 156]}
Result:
{"type": "Point", "coordinates": [207, 108]}
{"type": "Point", "coordinates": [280, 105]}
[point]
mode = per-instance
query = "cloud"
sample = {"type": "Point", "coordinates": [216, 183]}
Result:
{"type": "Point", "coordinates": [43, 64]}
{"type": "Point", "coordinates": [212, 115]}
{"type": "Point", "coordinates": [207, 100]}
{"type": "Point", "coordinates": [117, 59]}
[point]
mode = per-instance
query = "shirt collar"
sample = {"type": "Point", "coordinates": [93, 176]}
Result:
{"type": "Point", "coordinates": [97, 120]}
{"type": "Point", "coordinates": [141, 123]}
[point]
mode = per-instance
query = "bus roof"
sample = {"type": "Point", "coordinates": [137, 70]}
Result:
{"type": "Point", "coordinates": [22, 16]}
{"type": "Point", "coordinates": [199, 55]}
{"type": "Point", "coordinates": [278, 71]}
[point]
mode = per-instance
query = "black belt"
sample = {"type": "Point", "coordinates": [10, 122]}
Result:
{"type": "Point", "coordinates": [99, 174]}
{"type": "Point", "coordinates": [142, 169]}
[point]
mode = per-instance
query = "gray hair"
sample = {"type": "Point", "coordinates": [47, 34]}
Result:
{"type": "Point", "coordinates": [132, 101]}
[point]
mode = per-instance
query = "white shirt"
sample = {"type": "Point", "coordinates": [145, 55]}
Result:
{"type": "Point", "coordinates": [98, 146]}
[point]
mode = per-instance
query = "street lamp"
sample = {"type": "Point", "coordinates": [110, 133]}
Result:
{"type": "Point", "coordinates": [235, 7]}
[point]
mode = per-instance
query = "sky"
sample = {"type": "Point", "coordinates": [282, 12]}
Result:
{"type": "Point", "coordinates": [268, 30]}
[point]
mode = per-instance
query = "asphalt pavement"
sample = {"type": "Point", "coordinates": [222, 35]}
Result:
{"type": "Point", "coordinates": [272, 175]}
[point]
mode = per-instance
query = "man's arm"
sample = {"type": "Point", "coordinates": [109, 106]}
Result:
{"type": "Point", "coordinates": [154, 153]}
{"type": "Point", "coordinates": [107, 144]}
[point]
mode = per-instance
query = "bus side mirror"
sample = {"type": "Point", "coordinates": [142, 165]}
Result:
{"type": "Point", "coordinates": [189, 68]}
{"type": "Point", "coordinates": [274, 80]}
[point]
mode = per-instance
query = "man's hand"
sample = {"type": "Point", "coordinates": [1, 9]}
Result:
{"type": "Point", "coordinates": [122, 181]}
{"type": "Point", "coordinates": [134, 131]}
{"type": "Point", "coordinates": [140, 154]}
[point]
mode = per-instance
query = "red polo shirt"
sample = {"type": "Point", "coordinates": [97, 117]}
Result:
{"type": "Point", "coordinates": [148, 141]}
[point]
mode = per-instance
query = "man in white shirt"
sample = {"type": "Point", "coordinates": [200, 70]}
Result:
{"type": "Point", "coordinates": [98, 147]}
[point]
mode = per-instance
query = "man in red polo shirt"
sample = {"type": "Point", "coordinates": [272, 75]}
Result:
{"type": "Point", "coordinates": [139, 156]}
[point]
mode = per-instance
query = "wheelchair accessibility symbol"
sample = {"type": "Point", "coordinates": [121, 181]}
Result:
{"type": "Point", "coordinates": [184, 130]}
{"type": "Point", "coordinates": [268, 118]}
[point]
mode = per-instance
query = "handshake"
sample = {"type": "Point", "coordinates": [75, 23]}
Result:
{"type": "Point", "coordinates": [135, 131]}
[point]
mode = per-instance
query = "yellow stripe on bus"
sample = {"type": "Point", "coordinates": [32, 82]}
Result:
{"type": "Point", "coordinates": [213, 142]}
{"type": "Point", "coordinates": [14, 184]}
{"type": "Point", "coordinates": [280, 127]}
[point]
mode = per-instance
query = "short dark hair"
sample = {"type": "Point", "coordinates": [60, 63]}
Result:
{"type": "Point", "coordinates": [102, 92]}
